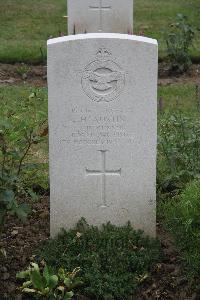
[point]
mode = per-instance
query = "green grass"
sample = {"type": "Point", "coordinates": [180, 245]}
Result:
{"type": "Point", "coordinates": [14, 95]}
{"type": "Point", "coordinates": [174, 96]}
{"type": "Point", "coordinates": [25, 25]}
{"type": "Point", "coordinates": [179, 97]}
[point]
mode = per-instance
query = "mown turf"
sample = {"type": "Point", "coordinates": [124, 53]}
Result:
{"type": "Point", "coordinates": [174, 96]}
{"type": "Point", "coordinates": [25, 25]}
{"type": "Point", "coordinates": [179, 97]}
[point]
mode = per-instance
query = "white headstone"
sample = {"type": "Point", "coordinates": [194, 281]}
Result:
{"type": "Point", "coordinates": [86, 16]}
{"type": "Point", "coordinates": [102, 120]}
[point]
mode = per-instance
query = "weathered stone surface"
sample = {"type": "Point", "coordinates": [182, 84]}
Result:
{"type": "Point", "coordinates": [86, 16]}
{"type": "Point", "coordinates": [102, 120]}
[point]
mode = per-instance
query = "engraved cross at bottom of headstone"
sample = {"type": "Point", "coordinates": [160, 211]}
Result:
{"type": "Point", "coordinates": [103, 173]}
{"type": "Point", "coordinates": [100, 8]}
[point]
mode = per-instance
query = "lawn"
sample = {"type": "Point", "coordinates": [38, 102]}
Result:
{"type": "Point", "coordinates": [25, 25]}
{"type": "Point", "coordinates": [175, 97]}
{"type": "Point", "coordinates": [179, 97]}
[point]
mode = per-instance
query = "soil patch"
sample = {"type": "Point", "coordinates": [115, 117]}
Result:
{"type": "Point", "coordinates": [18, 74]}
{"type": "Point", "coordinates": [21, 240]}
{"type": "Point", "coordinates": [23, 74]}
{"type": "Point", "coordinates": [191, 76]}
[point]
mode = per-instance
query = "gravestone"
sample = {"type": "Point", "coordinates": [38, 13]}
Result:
{"type": "Point", "coordinates": [102, 121]}
{"type": "Point", "coordinates": [86, 16]}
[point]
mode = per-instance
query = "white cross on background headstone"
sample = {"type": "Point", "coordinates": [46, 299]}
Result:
{"type": "Point", "coordinates": [100, 8]}
{"type": "Point", "coordinates": [103, 173]}
{"type": "Point", "coordinates": [86, 16]}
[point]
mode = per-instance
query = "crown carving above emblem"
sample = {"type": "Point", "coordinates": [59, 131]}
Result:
{"type": "Point", "coordinates": [103, 54]}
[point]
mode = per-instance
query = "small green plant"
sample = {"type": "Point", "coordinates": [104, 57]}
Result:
{"type": "Point", "coordinates": [23, 70]}
{"type": "Point", "coordinates": [9, 205]}
{"type": "Point", "coordinates": [20, 130]}
{"type": "Point", "coordinates": [182, 219]}
{"type": "Point", "coordinates": [114, 261]}
{"type": "Point", "coordinates": [178, 151]}
{"type": "Point", "coordinates": [41, 282]}
{"type": "Point", "coordinates": [179, 40]}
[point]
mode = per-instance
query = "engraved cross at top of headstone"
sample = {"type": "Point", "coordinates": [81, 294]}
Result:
{"type": "Point", "coordinates": [103, 173]}
{"type": "Point", "coordinates": [100, 8]}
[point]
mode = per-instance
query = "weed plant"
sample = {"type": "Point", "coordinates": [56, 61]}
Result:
{"type": "Point", "coordinates": [182, 219]}
{"type": "Point", "coordinates": [114, 261]}
{"type": "Point", "coordinates": [41, 283]}
{"type": "Point", "coordinates": [178, 150]}
{"type": "Point", "coordinates": [22, 127]}
{"type": "Point", "coordinates": [179, 40]}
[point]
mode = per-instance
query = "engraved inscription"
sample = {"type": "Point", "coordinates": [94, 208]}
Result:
{"type": "Point", "coordinates": [103, 173]}
{"type": "Point", "coordinates": [100, 9]}
{"type": "Point", "coordinates": [103, 80]}
{"type": "Point", "coordinates": [109, 126]}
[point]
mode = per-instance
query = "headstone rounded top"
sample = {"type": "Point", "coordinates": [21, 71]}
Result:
{"type": "Point", "coordinates": [102, 36]}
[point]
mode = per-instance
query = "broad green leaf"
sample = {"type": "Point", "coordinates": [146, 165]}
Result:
{"type": "Point", "coordinates": [61, 273]}
{"type": "Point", "coordinates": [22, 211]}
{"type": "Point", "coordinates": [68, 295]}
{"type": "Point", "coordinates": [46, 274]}
{"type": "Point", "coordinates": [46, 290]}
{"type": "Point", "coordinates": [7, 196]}
{"type": "Point", "coordinates": [67, 282]}
{"type": "Point", "coordinates": [53, 281]}
{"type": "Point", "coordinates": [27, 284]}
{"type": "Point", "coordinates": [23, 274]}
{"type": "Point", "coordinates": [35, 266]}
{"type": "Point", "coordinates": [36, 279]}
{"type": "Point", "coordinates": [76, 282]}
{"type": "Point", "coordinates": [33, 195]}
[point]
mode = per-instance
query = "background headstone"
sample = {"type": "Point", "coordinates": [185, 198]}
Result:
{"type": "Point", "coordinates": [85, 16]}
{"type": "Point", "coordinates": [102, 120]}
